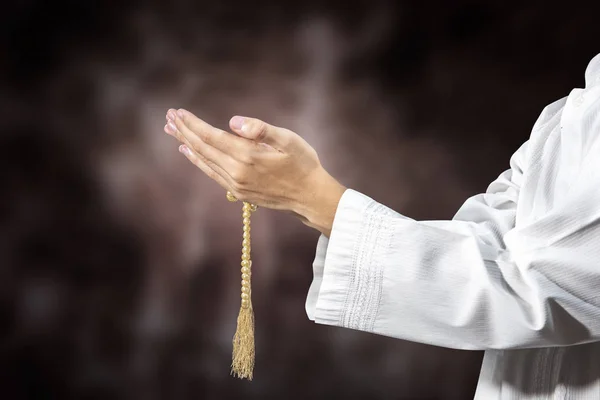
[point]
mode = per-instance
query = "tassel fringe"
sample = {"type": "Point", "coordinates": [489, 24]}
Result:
{"type": "Point", "coordinates": [242, 365]}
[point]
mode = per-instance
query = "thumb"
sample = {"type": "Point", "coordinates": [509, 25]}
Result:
{"type": "Point", "coordinates": [259, 131]}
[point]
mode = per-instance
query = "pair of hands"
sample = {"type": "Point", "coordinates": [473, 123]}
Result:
{"type": "Point", "coordinates": [264, 165]}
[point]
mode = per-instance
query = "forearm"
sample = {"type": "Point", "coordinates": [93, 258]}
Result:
{"type": "Point", "coordinates": [318, 205]}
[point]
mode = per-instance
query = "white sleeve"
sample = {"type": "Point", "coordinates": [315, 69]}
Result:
{"type": "Point", "coordinates": [474, 282]}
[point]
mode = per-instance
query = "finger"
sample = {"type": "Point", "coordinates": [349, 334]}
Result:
{"type": "Point", "coordinates": [206, 150]}
{"type": "Point", "coordinates": [211, 155]}
{"type": "Point", "coordinates": [259, 131]}
{"type": "Point", "coordinates": [206, 168]}
{"type": "Point", "coordinates": [235, 146]}
{"type": "Point", "coordinates": [171, 129]}
{"type": "Point", "coordinates": [171, 114]}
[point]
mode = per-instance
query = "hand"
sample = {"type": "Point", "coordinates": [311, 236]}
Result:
{"type": "Point", "coordinates": [265, 165]}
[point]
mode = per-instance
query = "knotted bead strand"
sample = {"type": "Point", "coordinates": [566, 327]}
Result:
{"type": "Point", "coordinates": [243, 340]}
{"type": "Point", "coordinates": [246, 261]}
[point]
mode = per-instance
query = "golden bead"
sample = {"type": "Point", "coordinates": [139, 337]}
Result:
{"type": "Point", "coordinates": [245, 263]}
{"type": "Point", "coordinates": [246, 228]}
{"type": "Point", "coordinates": [246, 235]}
{"type": "Point", "coordinates": [246, 277]}
{"type": "Point", "coordinates": [231, 197]}
{"type": "Point", "coordinates": [245, 283]}
{"type": "Point", "coordinates": [246, 207]}
{"type": "Point", "coordinates": [246, 256]}
{"type": "Point", "coordinates": [245, 270]}
{"type": "Point", "coordinates": [246, 221]}
{"type": "Point", "coordinates": [253, 207]}
{"type": "Point", "coordinates": [245, 296]}
{"type": "Point", "coordinates": [246, 242]}
{"type": "Point", "coordinates": [246, 214]}
{"type": "Point", "coordinates": [245, 289]}
{"type": "Point", "coordinates": [246, 249]}
{"type": "Point", "coordinates": [245, 303]}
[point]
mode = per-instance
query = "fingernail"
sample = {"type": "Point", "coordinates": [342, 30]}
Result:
{"type": "Point", "coordinates": [237, 122]}
{"type": "Point", "coordinates": [180, 113]}
{"type": "Point", "coordinates": [171, 115]}
{"type": "Point", "coordinates": [171, 126]}
{"type": "Point", "coordinates": [184, 149]}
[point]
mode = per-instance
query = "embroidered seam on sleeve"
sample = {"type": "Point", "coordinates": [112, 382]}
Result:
{"type": "Point", "coordinates": [375, 292]}
{"type": "Point", "coordinates": [367, 273]}
{"type": "Point", "coordinates": [353, 270]}
{"type": "Point", "coordinates": [362, 238]}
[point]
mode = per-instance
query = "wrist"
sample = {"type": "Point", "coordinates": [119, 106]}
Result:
{"type": "Point", "coordinates": [319, 202]}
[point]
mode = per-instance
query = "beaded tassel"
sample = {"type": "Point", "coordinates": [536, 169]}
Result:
{"type": "Point", "coordinates": [242, 363]}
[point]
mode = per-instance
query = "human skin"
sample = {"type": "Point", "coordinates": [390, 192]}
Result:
{"type": "Point", "coordinates": [262, 164]}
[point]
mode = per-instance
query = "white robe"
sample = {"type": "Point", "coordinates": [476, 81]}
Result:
{"type": "Point", "coordinates": [516, 272]}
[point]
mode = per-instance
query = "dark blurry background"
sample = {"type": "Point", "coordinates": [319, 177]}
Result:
{"type": "Point", "coordinates": [120, 261]}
